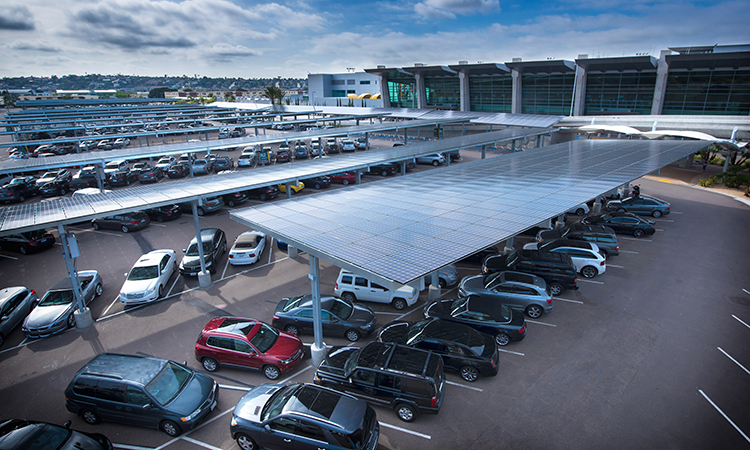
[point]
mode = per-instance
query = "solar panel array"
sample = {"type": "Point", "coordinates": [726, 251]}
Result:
{"type": "Point", "coordinates": [402, 229]}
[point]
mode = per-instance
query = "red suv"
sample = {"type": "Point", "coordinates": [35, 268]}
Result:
{"type": "Point", "coordinates": [234, 341]}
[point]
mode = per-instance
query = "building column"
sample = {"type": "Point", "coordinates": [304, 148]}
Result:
{"type": "Point", "coordinates": [517, 101]}
{"type": "Point", "coordinates": [420, 91]}
{"type": "Point", "coordinates": [660, 89]}
{"type": "Point", "coordinates": [385, 95]}
{"type": "Point", "coordinates": [579, 96]}
{"type": "Point", "coordinates": [463, 83]}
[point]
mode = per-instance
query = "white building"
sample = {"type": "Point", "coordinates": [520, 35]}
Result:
{"type": "Point", "coordinates": [342, 89]}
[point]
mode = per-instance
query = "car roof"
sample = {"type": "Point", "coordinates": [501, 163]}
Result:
{"type": "Point", "coordinates": [151, 258]}
{"type": "Point", "coordinates": [138, 369]}
{"type": "Point", "coordinates": [8, 292]}
{"type": "Point", "coordinates": [336, 408]}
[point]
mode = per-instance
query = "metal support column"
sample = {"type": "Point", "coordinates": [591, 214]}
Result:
{"type": "Point", "coordinates": [484, 152]}
{"type": "Point", "coordinates": [204, 277]}
{"type": "Point", "coordinates": [359, 176]}
{"type": "Point", "coordinates": [288, 191]}
{"type": "Point", "coordinates": [318, 348]}
{"type": "Point", "coordinates": [434, 290]}
{"type": "Point", "coordinates": [508, 245]}
{"type": "Point", "coordinates": [81, 313]}
{"type": "Point", "coordinates": [403, 167]}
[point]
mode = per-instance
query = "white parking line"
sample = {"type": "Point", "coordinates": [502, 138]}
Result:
{"type": "Point", "coordinates": [662, 220]}
{"type": "Point", "coordinates": [658, 229]}
{"type": "Point", "coordinates": [464, 386]}
{"type": "Point", "coordinates": [567, 300]}
{"type": "Point", "coordinates": [635, 239]}
{"type": "Point", "coordinates": [673, 212]}
{"type": "Point", "coordinates": [743, 323]}
{"type": "Point", "coordinates": [394, 427]}
{"type": "Point", "coordinates": [746, 291]}
{"type": "Point", "coordinates": [590, 281]}
{"type": "Point", "coordinates": [724, 415]}
{"type": "Point", "coordinates": [612, 265]}
{"type": "Point", "coordinates": [734, 360]}
{"type": "Point", "coordinates": [234, 388]}
{"type": "Point", "coordinates": [508, 351]}
{"type": "Point", "coordinates": [389, 313]}
{"type": "Point", "coordinates": [626, 251]}
{"type": "Point", "coordinates": [158, 225]}
{"type": "Point", "coordinates": [540, 323]}
{"type": "Point", "coordinates": [104, 313]}
{"type": "Point", "coordinates": [202, 444]}
{"type": "Point", "coordinates": [131, 447]}
{"type": "Point", "coordinates": [10, 257]}
{"type": "Point", "coordinates": [308, 367]}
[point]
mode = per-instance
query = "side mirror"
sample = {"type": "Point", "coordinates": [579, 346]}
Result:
{"type": "Point", "coordinates": [146, 407]}
{"type": "Point", "coordinates": [67, 424]}
{"type": "Point", "coordinates": [184, 363]}
{"type": "Point", "coordinates": [267, 428]}
{"type": "Point", "coordinates": [183, 250]}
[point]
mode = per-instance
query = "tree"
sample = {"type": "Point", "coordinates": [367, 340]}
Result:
{"type": "Point", "coordinates": [159, 92]}
{"type": "Point", "coordinates": [274, 94]}
{"type": "Point", "coordinates": [121, 94]}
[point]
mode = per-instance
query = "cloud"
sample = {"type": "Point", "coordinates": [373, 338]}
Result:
{"type": "Point", "coordinates": [17, 18]}
{"type": "Point", "coordinates": [429, 12]}
{"type": "Point", "coordinates": [33, 46]}
{"type": "Point", "coordinates": [447, 9]}
{"type": "Point", "coordinates": [227, 53]}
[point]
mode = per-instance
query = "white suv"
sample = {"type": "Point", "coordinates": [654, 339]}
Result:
{"type": "Point", "coordinates": [353, 287]}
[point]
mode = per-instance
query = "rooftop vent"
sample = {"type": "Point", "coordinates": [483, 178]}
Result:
{"type": "Point", "coordinates": [381, 67]}
{"type": "Point", "coordinates": [463, 63]}
{"type": "Point", "coordinates": [584, 56]}
{"type": "Point", "coordinates": [418, 64]}
{"type": "Point", "coordinates": [516, 60]}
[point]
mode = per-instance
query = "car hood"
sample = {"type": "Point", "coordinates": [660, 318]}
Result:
{"type": "Point", "coordinates": [286, 345]}
{"type": "Point", "coordinates": [362, 315]}
{"type": "Point", "coordinates": [336, 359]}
{"type": "Point", "coordinates": [472, 283]}
{"type": "Point", "coordinates": [438, 308]}
{"type": "Point", "coordinates": [81, 441]}
{"type": "Point", "coordinates": [397, 332]}
{"type": "Point", "coordinates": [192, 395]}
{"type": "Point", "coordinates": [135, 286]}
{"type": "Point", "coordinates": [46, 315]}
{"type": "Point", "coordinates": [251, 404]}
{"type": "Point", "coordinates": [194, 261]}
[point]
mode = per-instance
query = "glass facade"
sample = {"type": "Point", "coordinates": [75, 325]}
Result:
{"type": "Point", "coordinates": [618, 92]}
{"type": "Point", "coordinates": [547, 93]}
{"type": "Point", "coordinates": [706, 92]}
{"type": "Point", "coordinates": [338, 93]}
{"type": "Point", "coordinates": [402, 92]}
{"type": "Point", "coordinates": [491, 93]}
{"type": "Point", "coordinates": [443, 92]}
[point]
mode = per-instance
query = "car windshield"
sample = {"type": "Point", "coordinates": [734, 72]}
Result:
{"type": "Point", "coordinates": [276, 403]}
{"type": "Point", "coordinates": [459, 305]}
{"type": "Point", "coordinates": [341, 308]}
{"type": "Point", "coordinates": [292, 303]}
{"type": "Point", "coordinates": [36, 437]}
{"type": "Point", "coordinates": [416, 330]}
{"type": "Point", "coordinates": [49, 175]}
{"type": "Point", "coordinates": [53, 298]}
{"type": "Point", "coordinates": [351, 362]}
{"type": "Point", "coordinates": [143, 273]}
{"type": "Point", "coordinates": [265, 338]}
{"type": "Point", "coordinates": [168, 383]}
{"type": "Point", "coordinates": [193, 249]}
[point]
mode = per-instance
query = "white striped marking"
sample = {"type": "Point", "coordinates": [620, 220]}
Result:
{"type": "Point", "coordinates": [131, 447]}
{"type": "Point", "coordinates": [734, 360]}
{"type": "Point", "coordinates": [746, 291]}
{"type": "Point", "coordinates": [567, 300]}
{"type": "Point", "coordinates": [590, 281]}
{"type": "Point", "coordinates": [612, 265]}
{"type": "Point", "coordinates": [464, 386]}
{"type": "Point", "coordinates": [414, 433]}
{"type": "Point", "coordinates": [743, 323]}
{"type": "Point", "coordinates": [724, 415]}
{"type": "Point", "coordinates": [673, 212]}
{"type": "Point", "coordinates": [202, 444]}
{"type": "Point", "coordinates": [508, 351]}
{"type": "Point", "coordinates": [234, 388]}
{"type": "Point", "coordinates": [635, 239]}
{"type": "Point", "coordinates": [540, 323]}
{"type": "Point", "coordinates": [10, 257]}
{"type": "Point", "coordinates": [626, 251]}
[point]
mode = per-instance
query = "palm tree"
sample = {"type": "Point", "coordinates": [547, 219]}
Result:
{"type": "Point", "coordinates": [274, 94]}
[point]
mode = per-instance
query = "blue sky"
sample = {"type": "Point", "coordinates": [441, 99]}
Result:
{"type": "Point", "coordinates": [240, 38]}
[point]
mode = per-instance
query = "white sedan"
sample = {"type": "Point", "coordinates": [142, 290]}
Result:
{"type": "Point", "coordinates": [247, 248]}
{"type": "Point", "coordinates": [148, 278]}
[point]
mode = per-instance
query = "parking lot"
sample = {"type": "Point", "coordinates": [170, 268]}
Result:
{"type": "Point", "coordinates": [652, 354]}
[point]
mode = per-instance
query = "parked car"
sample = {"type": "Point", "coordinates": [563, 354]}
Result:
{"type": "Point", "coordinates": [520, 291]}
{"type": "Point", "coordinates": [295, 187]}
{"type": "Point", "coordinates": [54, 312]}
{"type": "Point", "coordinates": [105, 144]}
{"type": "Point", "coordinates": [263, 193]}
{"type": "Point", "coordinates": [18, 189]}
{"type": "Point", "coordinates": [148, 278]}
{"type": "Point", "coordinates": [361, 143]}
{"type": "Point", "coordinates": [202, 167]}
{"type": "Point", "coordinates": [283, 155]}
{"type": "Point", "coordinates": [484, 315]}
{"type": "Point", "coordinates": [246, 160]}
{"type": "Point", "coordinates": [15, 304]}
{"type": "Point", "coordinates": [165, 163]}
{"type": "Point", "coordinates": [644, 205]}
{"type": "Point", "coordinates": [347, 145]}
{"type": "Point", "coordinates": [447, 276]}
{"type": "Point", "coordinates": [157, 393]}
{"type": "Point", "coordinates": [555, 268]}
{"type": "Point", "coordinates": [234, 341]}
{"type": "Point", "coordinates": [354, 287]}
{"type": "Point", "coordinates": [164, 213]}
{"type": "Point", "coordinates": [214, 242]}
{"type": "Point", "coordinates": [623, 222]}
{"type": "Point", "coordinates": [150, 175]}
{"type": "Point", "coordinates": [87, 177]}
{"type": "Point", "coordinates": [223, 163]}
{"type": "Point", "coordinates": [85, 146]}
{"type": "Point", "coordinates": [301, 152]}
{"type": "Point", "coordinates": [53, 188]}
{"type": "Point", "coordinates": [579, 210]}
{"type": "Point", "coordinates": [126, 222]}
{"type": "Point", "coordinates": [343, 177]}
{"type": "Point", "coordinates": [115, 166]}
{"type": "Point", "coordinates": [207, 205]}
{"type": "Point", "coordinates": [409, 380]}
{"type": "Point", "coordinates": [585, 256]}
{"type": "Point", "coordinates": [273, 415]}
{"type": "Point", "coordinates": [382, 169]}
{"type": "Point", "coordinates": [179, 170]}
{"type": "Point", "coordinates": [434, 158]}
{"type": "Point", "coordinates": [121, 142]}
{"type": "Point", "coordinates": [16, 434]}
{"type": "Point", "coordinates": [28, 241]}
{"type": "Point", "coordinates": [603, 237]}
{"type": "Point", "coordinates": [247, 248]}
{"type": "Point", "coordinates": [340, 317]}
{"type": "Point", "coordinates": [480, 256]}
{"type": "Point", "coordinates": [318, 182]}
{"type": "Point", "coordinates": [234, 198]}
{"type": "Point", "coordinates": [140, 167]}
{"type": "Point", "coordinates": [122, 178]}
{"type": "Point", "coordinates": [463, 349]}
{"type": "Point", "coordinates": [60, 175]}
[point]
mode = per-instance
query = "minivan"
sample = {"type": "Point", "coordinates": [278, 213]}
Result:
{"type": "Point", "coordinates": [354, 287]}
{"type": "Point", "coordinates": [214, 245]}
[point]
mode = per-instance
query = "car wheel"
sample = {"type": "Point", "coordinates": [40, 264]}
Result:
{"type": "Point", "coordinates": [21, 198]}
{"type": "Point", "coordinates": [406, 412]}
{"type": "Point", "coordinates": [620, 209]}
{"type": "Point", "coordinates": [318, 186]}
{"type": "Point", "coordinates": [502, 339]}
{"type": "Point", "coordinates": [210, 364]}
{"type": "Point", "coordinates": [580, 212]}
{"type": "Point", "coordinates": [384, 173]}
{"type": "Point", "coordinates": [345, 182]}
{"type": "Point", "coordinates": [231, 203]}
{"type": "Point", "coordinates": [352, 335]}
{"type": "Point", "coordinates": [656, 213]}
{"type": "Point", "coordinates": [534, 311]}
{"type": "Point", "coordinates": [170, 428]}
{"type": "Point", "coordinates": [246, 442]}
{"type": "Point", "coordinates": [469, 373]}
{"type": "Point", "coordinates": [292, 329]}
{"type": "Point", "coordinates": [442, 283]}
{"type": "Point", "coordinates": [63, 190]}
{"type": "Point", "coordinates": [71, 321]}
{"type": "Point", "coordinates": [271, 372]}
{"type": "Point", "coordinates": [348, 296]}
{"type": "Point", "coordinates": [200, 211]}
{"type": "Point", "coordinates": [435, 163]}
{"type": "Point", "coordinates": [638, 233]}
{"type": "Point", "coordinates": [96, 226]}
{"type": "Point", "coordinates": [124, 229]}
{"type": "Point", "coordinates": [161, 291]}
{"type": "Point", "coordinates": [262, 197]}
{"type": "Point", "coordinates": [23, 250]}
{"type": "Point", "coordinates": [2, 339]}
{"type": "Point", "coordinates": [98, 290]}
{"type": "Point", "coordinates": [399, 303]}
{"type": "Point", "coordinates": [160, 219]}
{"type": "Point", "coordinates": [589, 272]}
{"type": "Point", "coordinates": [90, 417]}
{"type": "Point", "coordinates": [556, 288]}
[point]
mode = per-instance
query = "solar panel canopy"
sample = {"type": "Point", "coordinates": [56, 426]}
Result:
{"type": "Point", "coordinates": [402, 229]}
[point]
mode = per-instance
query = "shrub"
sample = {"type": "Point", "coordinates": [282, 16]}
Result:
{"type": "Point", "coordinates": [735, 181]}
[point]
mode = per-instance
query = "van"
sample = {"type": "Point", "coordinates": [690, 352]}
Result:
{"type": "Point", "coordinates": [354, 287]}
{"type": "Point", "coordinates": [603, 237]}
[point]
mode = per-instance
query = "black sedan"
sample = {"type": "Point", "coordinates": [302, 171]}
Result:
{"type": "Point", "coordinates": [54, 188]}
{"type": "Point", "coordinates": [27, 242]}
{"type": "Point", "coordinates": [18, 434]}
{"type": "Point", "coordinates": [180, 170]}
{"type": "Point", "coordinates": [382, 169]}
{"type": "Point", "coordinates": [262, 193]}
{"type": "Point", "coordinates": [150, 174]}
{"type": "Point", "coordinates": [19, 189]}
{"type": "Point", "coordinates": [463, 348]}
{"type": "Point", "coordinates": [233, 199]}
{"type": "Point", "coordinates": [122, 178]}
{"type": "Point", "coordinates": [164, 213]}
{"type": "Point", "coordinates": [623, 222]}
{"type": "Point", "coordinates": [318, 182]}
{"type": "Point", "coordinates": [126, 222]}
{"type": "Point", "coordinates": [485, 316]}
{"type": "Point", "coordinates": [340, 317]}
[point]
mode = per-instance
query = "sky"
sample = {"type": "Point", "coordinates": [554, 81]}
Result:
{"type": "Point", "coordinates": [265, 39]}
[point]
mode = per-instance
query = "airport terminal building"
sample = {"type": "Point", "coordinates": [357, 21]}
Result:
{"type": "Point", "coordinates": [708, 80]}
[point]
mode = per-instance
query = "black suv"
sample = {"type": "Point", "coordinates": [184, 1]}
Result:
{"type": "Point", "coordinates": [555, 268]}
{"type": "Point", "coordinates": [600, 235]}
{"type": "Point", "coordinates": [18, 434]}
{"type": "Point", "coordinates": [214, 245]}
{"type": "Point", "coordinates": [138, 390]}
{"type": "Point", "coordinates": [382, 169]}
{"type": "Point", "coordinates": [407, 379]}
